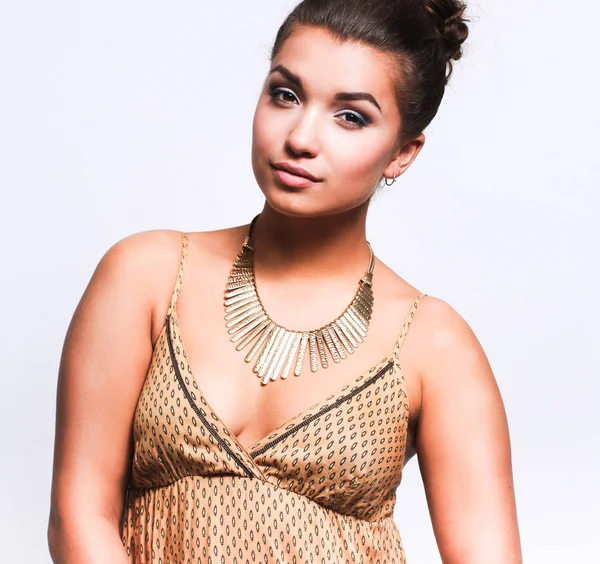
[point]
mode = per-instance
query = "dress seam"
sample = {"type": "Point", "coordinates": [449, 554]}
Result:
{"type": "Point", "coordinates": [143, 490]}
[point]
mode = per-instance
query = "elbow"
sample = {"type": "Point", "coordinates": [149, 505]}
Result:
{"type": "Point", "coordinates": [53, 537]}
{"type": "Point", "coordinates": [89, 538]}
{"type": "Point", "coordinates": [60, 536]}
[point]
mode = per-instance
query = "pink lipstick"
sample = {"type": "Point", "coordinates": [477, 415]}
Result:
{"type": "Point", "coordinates": [293, 175]}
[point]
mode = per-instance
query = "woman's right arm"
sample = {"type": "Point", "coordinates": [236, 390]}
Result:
{"type": "Point", "coordinates": [106, 354]}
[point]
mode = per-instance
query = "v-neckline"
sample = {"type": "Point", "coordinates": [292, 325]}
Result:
{"type": "Point", "coordinates": [248, 450]}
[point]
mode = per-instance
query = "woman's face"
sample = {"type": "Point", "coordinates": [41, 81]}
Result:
{"type": "Point", "coordinates": [327, 112]}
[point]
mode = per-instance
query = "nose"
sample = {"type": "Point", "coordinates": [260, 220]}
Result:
{"type": "Point", "coordinates": [303, 138]}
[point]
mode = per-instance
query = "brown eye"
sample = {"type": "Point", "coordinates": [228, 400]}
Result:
{"type": "Point", "coordinates": [283, 95]}
{"type": "Point", "coordinates": [354, 119]}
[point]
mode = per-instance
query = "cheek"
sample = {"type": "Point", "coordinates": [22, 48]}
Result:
{"type": "Point", "coordinates": [264, 131]}
{"type": "Point", "coordinates": [358, 159]}
{"type": "Point", "coordinates": [264, 139]}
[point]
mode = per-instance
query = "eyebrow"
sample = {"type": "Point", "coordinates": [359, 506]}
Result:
{"type": "Point", "coordinates": [342, 96]}
{"type": "Point", "coordinates": [351, 96]}
{"type": "Point", "coordinates": [293, 78]}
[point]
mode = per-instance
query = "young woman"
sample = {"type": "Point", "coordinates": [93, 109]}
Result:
{"type": "Point", "coordinates": [198, 422]}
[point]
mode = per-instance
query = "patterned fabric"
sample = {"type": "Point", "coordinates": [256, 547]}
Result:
{"type": "Point", "coordinates": [320, 488]}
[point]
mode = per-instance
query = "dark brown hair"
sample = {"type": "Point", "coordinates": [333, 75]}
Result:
{"type": "Point", "coordinates": [425, 36]}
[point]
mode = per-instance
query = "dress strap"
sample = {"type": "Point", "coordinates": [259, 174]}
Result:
{"type": "Point", "coordinates": [184, 249]}
{"type": "Point", "coordinates": [408, 322]}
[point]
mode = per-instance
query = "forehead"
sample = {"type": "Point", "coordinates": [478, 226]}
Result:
{"type": "Point", "coordinates": [328, 65]}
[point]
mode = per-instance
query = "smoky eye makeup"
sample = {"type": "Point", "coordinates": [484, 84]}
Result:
{"type": "Point", "coordinates": [348, 117]}
{"type": "Point", "coordinates": [282, 94]}
{"type": "Point", "coordinates": [354, 119]}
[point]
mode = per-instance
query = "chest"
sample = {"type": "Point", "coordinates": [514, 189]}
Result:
{"type": "Point", "coordinates": [251, 410]}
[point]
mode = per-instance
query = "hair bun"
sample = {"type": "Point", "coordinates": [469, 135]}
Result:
{"type": "Point", "coordinates": [455, 33]}
{"type": "Point", "coordinates": [449, 20]}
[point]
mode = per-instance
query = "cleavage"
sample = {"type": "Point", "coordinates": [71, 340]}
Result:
{"type": "Point", "coordinates": [250, 410]}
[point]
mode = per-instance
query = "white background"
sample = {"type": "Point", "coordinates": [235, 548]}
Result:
{"type": "Point", "coordinates": [117, 117]}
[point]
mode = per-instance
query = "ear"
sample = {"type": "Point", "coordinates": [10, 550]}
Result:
{"type": "Point", "coordinates": [403, 157]}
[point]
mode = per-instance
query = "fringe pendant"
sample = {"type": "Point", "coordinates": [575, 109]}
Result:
{"type": "Point", "coordinates": [276, 348]}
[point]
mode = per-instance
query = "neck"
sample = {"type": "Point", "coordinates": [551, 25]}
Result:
{"type": "Point", "coordinates": [311, 247]}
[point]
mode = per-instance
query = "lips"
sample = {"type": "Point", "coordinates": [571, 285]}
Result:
{"type": "Point", "coordinates": [295, 170]}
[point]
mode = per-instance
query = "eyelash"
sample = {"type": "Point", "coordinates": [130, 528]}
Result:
{"type": "Point", "coordinates": [275, 91]}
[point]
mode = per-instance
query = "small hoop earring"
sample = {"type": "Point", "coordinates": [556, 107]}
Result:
{"type": "Point", "coordinates": [390, 183]}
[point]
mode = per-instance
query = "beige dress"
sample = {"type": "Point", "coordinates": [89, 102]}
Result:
{"type": "Point", "coordinates": [320, 488]}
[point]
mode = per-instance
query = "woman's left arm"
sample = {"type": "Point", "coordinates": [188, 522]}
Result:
{"type": "Point", "coordinates": [463, 446]}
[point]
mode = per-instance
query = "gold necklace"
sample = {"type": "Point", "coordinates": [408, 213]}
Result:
{"type": "Point", "coordinates": [278, 347]}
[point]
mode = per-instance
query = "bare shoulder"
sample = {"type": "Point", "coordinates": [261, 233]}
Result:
{"type": "Point", "coordinates": [143, 265]}
{"type": "Point", "coordinates": [143, 253]}
{"type": "Point", "coordinates": [157, 249]}
{"type": "Point", "coordinates": [453, 355]}
{"type": "Point", "coordinates": [439, 330]}
{"type": "Point", "coordinates": [149, 260]}
{"type": "Point", "coordinates": [446, 326]}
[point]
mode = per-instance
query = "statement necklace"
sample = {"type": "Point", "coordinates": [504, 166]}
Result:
{"type": "Point", "coordinates": [277, 347]}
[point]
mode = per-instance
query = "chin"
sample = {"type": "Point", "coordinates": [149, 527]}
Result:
{"type": "Point", "coordinates": [295, 204]}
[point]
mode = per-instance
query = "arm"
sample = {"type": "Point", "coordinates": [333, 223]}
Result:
{"type": "Point", "coordinates": [463, 447]}
{"type": "Point", "coordinates": [105, 357]}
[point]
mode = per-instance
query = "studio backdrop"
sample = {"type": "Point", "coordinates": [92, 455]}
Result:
{"type": "Point", "coordinates": [119, 117]}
